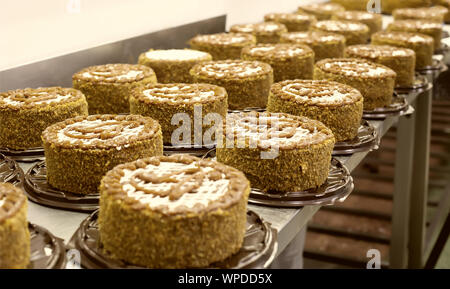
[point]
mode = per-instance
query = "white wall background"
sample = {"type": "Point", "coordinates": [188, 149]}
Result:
{"type": "Point", "coordinates": [33, 30]}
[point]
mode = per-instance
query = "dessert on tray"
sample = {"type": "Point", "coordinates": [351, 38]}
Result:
{"type": "Point", "coordinates": [80, 150]}
{"type": "Point", "coordinates": [164, 101]}
{"type": "Point", "coordinates": [25, 113]}
{"type": "Point", "coordinates": [288, 61]}
{"type": "Point", "coordinates": [173, 65]}
{"type": "Point", "coordinates": [173, 212]}
{"type": "Point", "coordinates": [14, 234]}
{"type": "Point", "coordinates": [424, 13]}
{"type": "Point", "coordinates": [322, 11]}
{"type": "Point", "coordinates": [426, 27]}
{"type": "Point", "coordinates": [324, 44]}
{"type": "Point", "coordinates": [352, 4]}
{"type": "Point", "coordinates": [336, 105]}
{"type": "Point", "coordinates": [372, 20]}
{"type": "Point", "coordinates": [265, 32]}
{"type": "Point", "coordinates": [222, 45]}
{"type": "Point", "coordinates": [373, 80]}
{"type": "Point", "coordinates": [421, 44]}
{"type": "Point", "coordinates": [246, 82]}
{"type": "Point", "coordinates": [108, 86]}
{"type": "Point", "coordinates": [354, 32]}
{"type": "Point", "coordinates": [390, 5]}
{"type": "Point", "coordinates": [277, 152]}
{"type": "Point", "coordinates": [292, 21]}
{"type": "Point", "coordinates": [401, 60]}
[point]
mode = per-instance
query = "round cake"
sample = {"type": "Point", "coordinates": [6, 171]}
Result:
{"type": "Point", "coordinates": [80, 150]}
{"type": "Point", "coordinates": [173, 65]}
{"type": "Point", "coordinates": [354, 32]}
{"type": "Point", "coordinates": [352, 4]}
{"type": "Point", "coordinates": [265, 32]}
{"type": "Point", "coordinates": [164, 102]}
{"type": "Point", "coordinates": [443, 7]}
{"type": "Point", "coordinates": [324, 44]}
{"type": "Point", "coordinates": [246, 82]}
{"type": "Point", "coordinates": [288, 61]}
{"type": "Point", "coordinates": [373, 80]}
{"type": "Point", "coordinates": [277, 152]}
{"type": "Point", "coordinates": [108, 86]}
{"type": "Point", "coordinates": [429, 28]}
{"type": "Point", "coordinates": [222, 46]}
{"type": "Point", "coordinates": [322, 11]}
{"type": "Point", "coordinates": [14, 234]}
{"type": "Point", "coordinates": [25, 113]}
{"type": "Point", "coordinates": [173, 212]}
{"type": "Point", "coordinates": [390, 5]}
{"type": "Point", "coordinates": [372, 20]}
{"type": "Point", "coordinates": [292, 21]}
{"type": "Point", "coordinates": [401, 60]}
{"type": "Point", "coordinates": [424, 13]}
{"type": "Point", "coordinates": [421, 44]}
{"type": "Point", "coordinates": [338, 106]}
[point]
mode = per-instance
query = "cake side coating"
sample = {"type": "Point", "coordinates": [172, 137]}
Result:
{"type": "Point", "coordinates": [14, 234]}
{"type": "Point", "coordinates": [426, 27]}
{"type": "Point", "coordinates": [142, 203]}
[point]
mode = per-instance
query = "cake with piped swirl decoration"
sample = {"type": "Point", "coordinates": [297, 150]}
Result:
{"type": "Point", "coordinates": [144, 202]}
{"type": "Point", "coordinates": [426, 27]}
{"type": "Point", "coordinates": [278, 152]}
{"type": "Point", "coordinates": [324, 44]}
{"type": "Point", "coordinates": [246, 82]}
{"type": "Point", "coordinates": [265, 32]}
{"type": "Point", "coordinates": [401, 60]}
{"type": "Point", "coordinates": [25, 113]}
{"type": "Point", "coordinates": [336, 105]}
{"type": "Point", "coordinates": [164, 102]}
{"type": "Point", "coordinates": [14, 234]}
{"type": "Point", "coordinates": [79, 151]}
{"type": "Point", "coordinates": [288, 61]}
{"type": "Point", "coordinates": [353, 31]}
{"type": "Point", "coordinates": [107, 87]}
{"type": "Point", "coordinates": [373, 20]}
{"type": "Point", "coordinates": [375, 81]}
{"type": "Point", "coordinates": [421, 44]}
{"type": "Point", "coordinates": [222, 46]}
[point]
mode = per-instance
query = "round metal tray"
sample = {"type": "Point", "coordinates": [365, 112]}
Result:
{"type": "Point", "coordinates": [10, 172]}
{"type": "Point", "coordinates": [29, 155]}
{"type": "Point", "coordinates": [257, 251]}
{"type": "Point", "coordinates": [398, 106]}
{"type": "Point", "coordinates": [420, 84]}
{"type": "Point", "coordinates": [366, 140]}
{"type": "Point", "coordinates": [247, 109]}
{"type": "Point", "coordinates": [200, 151]}
{"type": "Point", "coordinates": [47, 251]}
{"type": "Point", "coordinates": [437, 68]}
{"type": "Point", "coordinates": [336, 188]}
{"type": "Point", "coordinates": [39, 191]}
